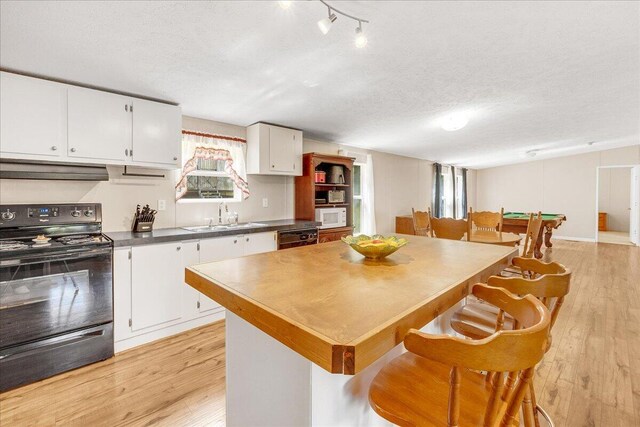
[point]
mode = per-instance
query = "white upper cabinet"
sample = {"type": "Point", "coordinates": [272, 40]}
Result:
{"type": "Point", "coordinates": [44, 120]}
{"type": "Point", "coordinates": [274, 150]}
{"type": "Point", "coordinates": [99, 125]}
{"type": "Point", "coordinates": [157, 132]}
{"type": "Point", "coordinates": [33, 117]}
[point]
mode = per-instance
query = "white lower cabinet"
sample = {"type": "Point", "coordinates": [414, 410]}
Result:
{"type": "Point", "coordinates": [217, 249]}
{"type": "Point", "coordinates": [151, 300]}
{"type": "Point", "coordinates": [260, 242]}
{"type": "Point", "coordinates": [156, 291]}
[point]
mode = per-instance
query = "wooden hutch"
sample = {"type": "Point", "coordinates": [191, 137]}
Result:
{"type": "Point", "coordinates": [312, 195]}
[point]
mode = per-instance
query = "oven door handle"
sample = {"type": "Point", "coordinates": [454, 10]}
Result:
{"type": "Point", "coordinates": [65, 256]}
{"type": "Point", "coordinates": [28, 349]}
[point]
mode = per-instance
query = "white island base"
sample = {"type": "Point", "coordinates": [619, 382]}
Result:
{"type": "Point", "coordinates": [268, 384]}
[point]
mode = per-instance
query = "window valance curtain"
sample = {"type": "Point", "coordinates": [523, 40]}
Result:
{"type": "Point", "coordinates": [231, 150]}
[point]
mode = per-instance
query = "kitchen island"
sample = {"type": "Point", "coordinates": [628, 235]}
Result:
{"type": "Point", "coordinates": [308, 328]}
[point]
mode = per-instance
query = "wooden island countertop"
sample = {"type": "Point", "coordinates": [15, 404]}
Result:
{"type": "Point", "coordinates": [338, 310]}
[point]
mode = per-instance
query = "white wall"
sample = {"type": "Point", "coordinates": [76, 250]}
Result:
{"type": "Point", "coordinates": [614, 198]}
{"type": "Point", "coordinates": [561, 185]}
{"type": "Point", "coordinates": [400, 184]}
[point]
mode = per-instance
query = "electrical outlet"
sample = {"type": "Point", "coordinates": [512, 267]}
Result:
{"type": "Point", "coordinates": [162, 205]}
{"type": "Point", "coordinates": [265, 202]}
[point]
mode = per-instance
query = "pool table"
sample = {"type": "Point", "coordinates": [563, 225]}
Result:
{"type": "Point", "coordinates": [516, 222]}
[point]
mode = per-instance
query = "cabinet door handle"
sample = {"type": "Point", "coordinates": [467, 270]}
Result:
{"type": "Point", "coordinates": [175, 158]}
{"type": "Point", "coordinates": [178, 248]}
{"type": "Point", "coordinates": [247, 239]}
{"type": "Point", "coordinates": [235, 241]}
{"type": "Point", "coordinates": [126, 152]}
{"type": "Point", "coordinates": [131, 108]}
{"type": "Point", "coordinates": [73, 150]}
{"type": "Point", "coordinates": [126, 108]}
{"type": "Point", "coordinates": [54, 148]}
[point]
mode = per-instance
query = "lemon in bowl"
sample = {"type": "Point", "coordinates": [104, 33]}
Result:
{"type": "Point", "coordinates": [376, 246]}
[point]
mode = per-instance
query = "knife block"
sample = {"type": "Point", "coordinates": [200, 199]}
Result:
{"type": "Point", "coordinates": [142, 227]}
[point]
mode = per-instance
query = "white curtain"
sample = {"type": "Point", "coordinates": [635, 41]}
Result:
{"type": "Point", "coordinates": [204, 146]}
{"type": "Point", "coordinates": [368, 225]}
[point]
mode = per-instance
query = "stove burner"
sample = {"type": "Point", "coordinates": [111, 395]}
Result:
{"type": "Point", "coordinates": [79, 239]}
{"type": "Point", "coordinates": [12, 245]}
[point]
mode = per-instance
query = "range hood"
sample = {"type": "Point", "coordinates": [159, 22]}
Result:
{"type": "Point", "coordinates": [10, 169]}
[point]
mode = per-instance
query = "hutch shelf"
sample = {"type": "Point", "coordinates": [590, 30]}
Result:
{"type": "Point", "coordinates": [308, 192]}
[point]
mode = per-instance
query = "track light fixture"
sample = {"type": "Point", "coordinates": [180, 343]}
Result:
{"type": "Point", "coordinates": [361, 39]}
{"type": "Point", "coordinates": [325, 24]}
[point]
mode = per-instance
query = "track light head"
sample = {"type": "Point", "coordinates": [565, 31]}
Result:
{"type": "Point", "coordinates": [361, 38]}
{"type": "Point", "coordinates": [325, 24]}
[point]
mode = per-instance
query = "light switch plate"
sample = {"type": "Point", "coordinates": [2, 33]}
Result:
{"type": "Point", "coordinates": [162, 205]}
{"type": "Point", "coordinates": [265, 202]}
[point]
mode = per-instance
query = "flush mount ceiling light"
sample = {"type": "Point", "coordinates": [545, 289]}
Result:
{"type": "Point", "coordinates": [454, 122]}
{"type": "Point", "coordinates": [325, 24]}
{"type": "Point", "coordinates": [284, 4]}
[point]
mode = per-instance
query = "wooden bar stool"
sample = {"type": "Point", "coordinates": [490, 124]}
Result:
{"type": "Point", "coordinates": [448, 228]}
{"type": "Point", "coordinates": [421, 222]}
{"type": "Point", "coordinates": [549, 282]}
{"type": "Point", "coordinates": [438, 381]}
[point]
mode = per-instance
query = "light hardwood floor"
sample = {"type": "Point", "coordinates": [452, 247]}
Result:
{"type": "Point", "coordinates": [590, 377]}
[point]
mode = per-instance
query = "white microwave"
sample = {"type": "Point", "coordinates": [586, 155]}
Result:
{"type": "Point", "coordinates": [332, 217]}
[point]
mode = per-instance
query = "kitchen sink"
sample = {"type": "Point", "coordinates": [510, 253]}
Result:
{"type": "Point", "coordinates": [221, 227]}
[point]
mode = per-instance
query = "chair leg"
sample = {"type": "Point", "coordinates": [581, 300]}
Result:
{"type": "Point", "coordinates": [528, 415]}
{"type": "Point", "coordinates": [534, 404]}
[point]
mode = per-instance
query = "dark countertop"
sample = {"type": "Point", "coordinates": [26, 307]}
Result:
{"type": "Point", "coordinates": [129, 238]}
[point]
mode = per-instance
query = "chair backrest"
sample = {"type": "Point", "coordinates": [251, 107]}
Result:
{"type": "Point", "coordinates": [485, 220]}
{"type": "Point", "coordinates": [550, 286]}
{"type": "Point", "coordinates": [448, 228]}
{"type": "Point", "coordinates": [421, 222]}
{"type": "Point", "coordinates": [504, 352]}
{"type": "Point", "coordinates": [533, 231]}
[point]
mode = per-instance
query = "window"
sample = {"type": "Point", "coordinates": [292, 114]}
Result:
{"type": "Point", "coordinates": [459, 185]}
{"type": "Point", "coordinates": [446, 201]}
{"type": "Point", "coordinates": [213, 169]}
{"type": "Point", "coordinates": [210, 181]}
{"type": "Point", "coordinates": [358, 171]}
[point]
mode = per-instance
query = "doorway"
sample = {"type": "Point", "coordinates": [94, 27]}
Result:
{"type": "Point", "coordinates": [618, 191]}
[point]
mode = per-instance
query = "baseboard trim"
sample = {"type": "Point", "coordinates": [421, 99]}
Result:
{"type": "Point", "coordinates": [151, 336]}
{"type": "Point", "coordinates": [576, 239]}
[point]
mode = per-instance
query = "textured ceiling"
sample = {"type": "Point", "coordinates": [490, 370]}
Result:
{"type": "Point", "coordinates": [529, 74]}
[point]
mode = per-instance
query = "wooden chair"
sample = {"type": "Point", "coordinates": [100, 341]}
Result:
{"type": "Point", "coordinates": [485, 220]}
{"type": "Point", "coordinates": [534, 228]}
{"type": "Point", "coordinates": [448, 228]}
{"type": "Point", "coordinates": [421, 222]}
{"type": "Point", "coordinates": [549, 282]}
{"type": "Point", "coordinates": [438, 381]}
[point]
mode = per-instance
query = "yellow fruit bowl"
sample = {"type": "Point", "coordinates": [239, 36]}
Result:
{"type": "Point", "coordinates": [374, 247]}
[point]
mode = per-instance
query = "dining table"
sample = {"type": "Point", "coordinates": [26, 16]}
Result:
{"type": "Point", "coordinates": [495, 238]}
{"type": "Point", "coordinates": [308, 328]}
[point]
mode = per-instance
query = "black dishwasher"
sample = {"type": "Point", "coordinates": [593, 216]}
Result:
{"type": "Point", "coordinates": [297, 237]}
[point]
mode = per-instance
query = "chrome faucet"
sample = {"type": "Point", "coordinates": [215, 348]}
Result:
{"type": "Point", "coordinates": [226, 208]}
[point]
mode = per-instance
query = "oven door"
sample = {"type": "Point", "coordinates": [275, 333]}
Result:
{"type": "Point", "coordinates": [47, 294]}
